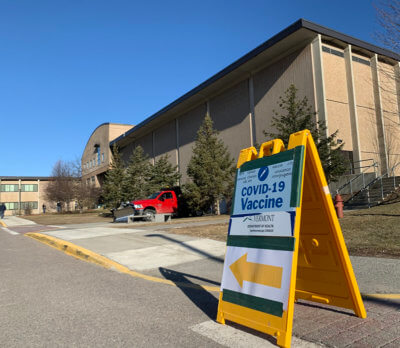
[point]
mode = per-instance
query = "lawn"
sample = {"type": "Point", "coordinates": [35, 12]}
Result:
{"type": "Point", "coordinates": [368, 232]}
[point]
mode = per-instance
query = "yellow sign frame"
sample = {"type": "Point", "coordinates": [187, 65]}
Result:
{"type": "Point", "coordinates": [321, 268]}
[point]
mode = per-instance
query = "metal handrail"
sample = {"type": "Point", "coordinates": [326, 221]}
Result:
{"type": "Point", "coordinates": [394, 176]}
{"type": "Point", "coordinates": [367, 187]}
{"type": "Point", "coordinates": [352, 168]}
{"type": "Point", "coordinates": [374, 165]}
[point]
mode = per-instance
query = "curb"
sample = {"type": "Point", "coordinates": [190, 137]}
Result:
{"type": "Point", "coordinates": [92, 257]}
{"type": "Point", "coordinates": [3, 223]}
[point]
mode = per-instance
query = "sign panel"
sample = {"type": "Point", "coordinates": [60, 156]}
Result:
{"type": "Point", "coordinates": [258, 262]}
{"type": "Point", "coordinates": [269, 261]}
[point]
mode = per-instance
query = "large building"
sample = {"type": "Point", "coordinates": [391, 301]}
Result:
{"type": "Point", "coordinates": [24, 194]}
{"type": "Point", "coordinates": [97, 156]}
{"type": "Point", "coordinates": [349, 83]}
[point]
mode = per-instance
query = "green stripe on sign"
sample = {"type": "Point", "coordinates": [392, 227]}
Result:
{"type": "Point", "coordinates": [268, 161]}
{"type": "Point", "coordinates": [297, 176]}
{"type": "Point", "coordinates": [253, 302]}
{"type": "Point", "coordinates": [262, 242]}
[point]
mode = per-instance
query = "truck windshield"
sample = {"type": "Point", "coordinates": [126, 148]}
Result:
{"type": "Point", "coordinates": [154, 195]}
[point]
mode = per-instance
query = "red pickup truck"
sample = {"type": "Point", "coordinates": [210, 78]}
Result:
{"type": "Point", "coordinates": [162, 202]}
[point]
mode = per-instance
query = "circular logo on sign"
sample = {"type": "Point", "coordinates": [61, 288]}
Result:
{"type": "Point", "coordinates": [263, 173]}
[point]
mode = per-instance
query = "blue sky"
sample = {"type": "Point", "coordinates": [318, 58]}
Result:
{"type": "Point", "coordinates": [66, 66]}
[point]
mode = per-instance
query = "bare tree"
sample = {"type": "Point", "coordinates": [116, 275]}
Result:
{"type": "Point", "coordinates": [388, 16]}
{"type": "Point", "coordinates": [86, 194]}
{"type": "Point", "coordinates": [62, 186]}
{"type": "Point", "coordinates": [388, 13]}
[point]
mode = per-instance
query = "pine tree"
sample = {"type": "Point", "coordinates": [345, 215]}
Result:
{"type": "Point", "coordinates": [297, 115]}
{"type": "Point", "coordinates": [137, 183]}
{"type": "Point", "coordinates": [210, 169]}
{"type": "Point", "coordinates": [113, 190]}
{"type": "Point", "coordinates": [163, 174]}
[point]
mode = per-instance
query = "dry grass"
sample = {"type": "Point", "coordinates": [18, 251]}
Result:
{"type": "Point", "coordinates": [373, 232]}
{"type": "Point", "coordinates": [216, 232]}
{"type": "Point", "coordinates": [67, 218]}
{"type": "Point", "coordinates": [368, 232]}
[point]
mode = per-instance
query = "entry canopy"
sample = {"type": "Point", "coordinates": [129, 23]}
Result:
{"type": "Point", "coordinates": [284, 240]}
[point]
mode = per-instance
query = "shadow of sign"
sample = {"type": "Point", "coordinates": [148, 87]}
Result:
{"type": "Point", "coordinates": [204, 300]}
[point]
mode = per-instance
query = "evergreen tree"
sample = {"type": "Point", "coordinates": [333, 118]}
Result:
{"type": "Point", "coordinates": [113, 190]}
{"type": "Point", "coordinates": [137, 183]}
{"type": "Point", "coordinates": [297, 115]}
{"type": "Point", "coordinates": [210, 169]}
{"type": "Point", "coordinates": [163, 174]}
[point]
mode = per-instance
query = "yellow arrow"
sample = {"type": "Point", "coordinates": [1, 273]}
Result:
{"type": "Point", "coordinates": [256, 273]}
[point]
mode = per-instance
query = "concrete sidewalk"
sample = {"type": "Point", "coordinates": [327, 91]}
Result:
{"type": "Point", "coordinates": [11, 221]}
{"type": "Point", "coordinates": [157, 254]}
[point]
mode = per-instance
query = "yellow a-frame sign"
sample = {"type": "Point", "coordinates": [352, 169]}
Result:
{"type": "Point", "coordinates": [284, 240]}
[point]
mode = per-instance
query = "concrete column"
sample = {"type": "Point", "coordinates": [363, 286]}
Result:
{"type": "Point", "coordinates": [19, 196]}
{"type": "Point", "coordinates": [208, 108]}
{"type": "Point", "coordinates": [251, 113]}
{"type": "Point", "coordinates": [38, 194]}
{"type": "Point", "coordinates": [177, 154]}
{"type": "Point", "coordinates": [153, 148]}
{"type": "Point", "coordinates": [379, 115]}
{"type": "Point", "coordinates": [397, 80]}
{"type": "Point", "coordinates": [319, 84]}
{"type": "Point", "coordinates": [352, 106]}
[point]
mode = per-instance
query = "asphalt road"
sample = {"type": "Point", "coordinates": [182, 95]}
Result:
{"type": "Point", "coordinates": [51, 299]}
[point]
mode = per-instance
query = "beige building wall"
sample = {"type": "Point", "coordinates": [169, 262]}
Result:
{"type": "Point", "coordinates": [146, 142]}
{"type": "Point", "coordinates": [34, 199]}
{"type": "Point", "coordinates": [97, 155]}
{"type": "Point", "coordinates": [271, 82]}
{"type": "Point", "coordinates": [165, 142]}
{"type": "Point", "coordinates": [390, 113]}
{"type": "Point", "coordinates": [337, 101]}
{"type": "Point", "coordinates": [366, 111]}
{"type": "Point", "coordinates": [188, 125]}
{"type": "Point", "coordinates": [230, 113]}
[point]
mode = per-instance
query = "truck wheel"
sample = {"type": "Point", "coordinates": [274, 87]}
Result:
{"type": "Point", "coordinates": [149, 214]}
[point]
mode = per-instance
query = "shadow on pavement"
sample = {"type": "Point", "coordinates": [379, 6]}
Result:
{"type": "Point", "coordinates": [198, 251]}
{"type": "Point", "coordinates": [387, 302]}
{"type": "Point", "coordinates": [200, 297]}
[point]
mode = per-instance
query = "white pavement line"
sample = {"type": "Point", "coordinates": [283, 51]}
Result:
{"type": "Point", "coordinates": [73, 234]}
{"type": "Point", "coordinates": [230, 337]}
{"type": "Point", "coordinates": [168, 254]}
{"type": "Point", "coordinates": [9, 231]}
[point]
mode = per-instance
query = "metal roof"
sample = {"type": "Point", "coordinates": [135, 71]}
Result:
{"type": "Point", "coordinates": [26, 178]}
{"type": "Point", "coordinates": [301, 24]}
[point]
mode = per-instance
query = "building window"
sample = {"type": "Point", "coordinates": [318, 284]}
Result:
{"type": "Point", "coordinates": [29, 205]}
{"type": "Point", "coordinates": [98, 155]}
{"type": "Point", "coordinates": [29, 188]}
{"type": "Point", "coordinates": [9, 188]}
{"type": "Point", "coordinates": [92, 179]}
{"type": "Point", "coordinates": [360, 60]}
{"type": "Point", "coordinates": [332, 51]}
{"type": "Point", "coordinates": [87, 181]}
{"type": "Point", "coordinates": [102, 157]}
{"type": "Point", "coordinates": [11, 205]}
